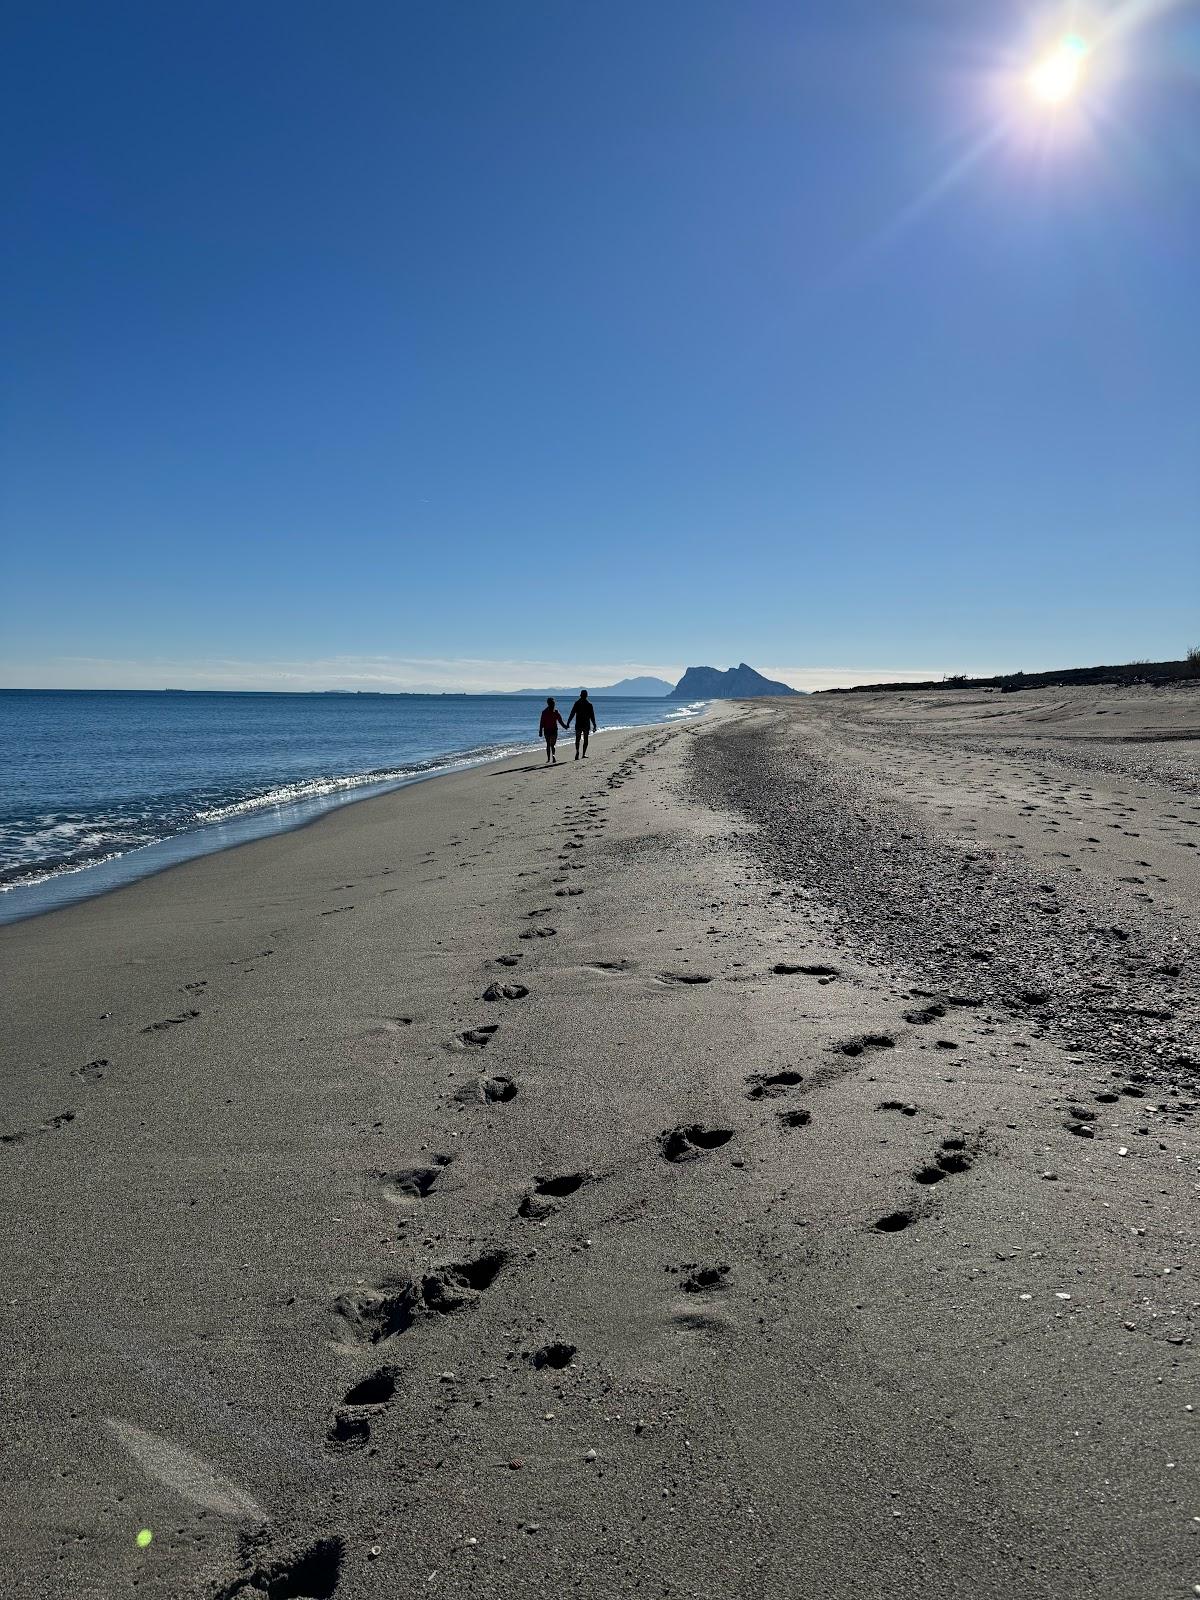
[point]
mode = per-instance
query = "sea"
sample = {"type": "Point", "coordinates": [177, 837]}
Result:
{"type": "Point", "coordinates": [100, 787]}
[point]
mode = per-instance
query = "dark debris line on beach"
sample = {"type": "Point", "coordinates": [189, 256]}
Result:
{"type": "Point", "coordinates": [964, 922]}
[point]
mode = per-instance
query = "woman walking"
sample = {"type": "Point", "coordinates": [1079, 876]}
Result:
{"type": "Point", "coordinates": [548, 728]}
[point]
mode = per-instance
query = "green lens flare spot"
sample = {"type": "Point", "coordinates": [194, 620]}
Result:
{"type": "Point", "coordinates": [144, 1537]}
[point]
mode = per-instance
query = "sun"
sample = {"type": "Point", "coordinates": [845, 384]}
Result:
{"type": "Point", "coordinates": [1057, 76]}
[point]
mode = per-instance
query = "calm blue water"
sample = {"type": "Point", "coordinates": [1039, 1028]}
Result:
{"type": "Point", "coordinates": [98, 788]}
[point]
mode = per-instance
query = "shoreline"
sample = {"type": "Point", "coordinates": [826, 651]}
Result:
{"type": "Point", "coordinates": [73, 885]}
{"type": "Point", "coordinates": [517, 1178]}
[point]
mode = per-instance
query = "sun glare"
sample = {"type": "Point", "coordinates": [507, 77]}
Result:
{"type": "Point", "coordinates": [1058, 75]}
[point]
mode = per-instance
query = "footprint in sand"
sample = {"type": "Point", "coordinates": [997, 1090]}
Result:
{"type": "Point", "coordinates": [572, 892]}
{"type": "Point", "coordinates": [93, 1071]}
{"type": "Point", "coordinates": [473, 1038]}
{"type": "Point", "coordinates": [611, 966]}
{"type": "Point", "coordinates": [170, 1022]}
{"type": "Point", "coordinates": [309, 1574]}
{"type": "Point", "coordinates": [952, 1157]}
{"type": "Point", "coordinates": [350, 1426]}
{"type": "Point", "coordinates": [689, 1141]}
{"type": "Point", "coordinates": [682, 977]}
{"type": "Point", "coordinates": [259, 955]}
{"type": "Point", "coordinates": [810, 969]}
{"type": "Point", "coordinates": [375, 1390]}
{"type": "Point", "coordinates": [374, 1314]}
{"type": "Point", "coordinates": [411, 1184]}
{"type": "Point", "coordinates": [705, 1279]}
{"type": "Point", "coordinates": [384, 1027]}
{"type": "Point", "coordinates": [538, 933]}
{"type": "Point", "coordinates": [505, 991]}
{"type": "Point", "coordinates": [51, 1125]}
{"type": "Point", "coordinates": [349, 1430]}
{"type": "Point", "coordinates": [904, 1107]}
{"type": "Point", "coordinates": [768, 1086]}
{"type": "Point", "coordinates": [864, 1042]}
{"type": "Point", "coordinates": [556, 1355]}
{"type": "Point", "coordinates": [485, 1090]}
{"type": "Point", "coordinates": [702, 1311]}
{"type": "Point", "coordinates": [895, 1221]}
{"type": "Point", "coordinates": [799, 1118]}
{"type": "Point", "coordinates": [508, 961]}
{"type": "Point", "coordinates": [539, 1203]}
{"type": "Point", "coordinates": [922, 1015]}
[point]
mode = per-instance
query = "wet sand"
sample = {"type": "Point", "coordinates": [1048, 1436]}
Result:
{"type": "Point", "coordinates": [720, 1167]}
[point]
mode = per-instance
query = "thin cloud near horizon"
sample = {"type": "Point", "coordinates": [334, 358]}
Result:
{"type": "Point", "coordinates": [397, 674]}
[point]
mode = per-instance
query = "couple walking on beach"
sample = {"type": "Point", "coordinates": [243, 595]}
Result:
{"type": "Point", "coordinates": [583, 715]}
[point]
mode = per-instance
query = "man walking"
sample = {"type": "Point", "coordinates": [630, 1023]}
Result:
{"type": "Point", "coordinates": [583, 714]}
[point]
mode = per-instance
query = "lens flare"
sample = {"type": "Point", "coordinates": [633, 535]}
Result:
{"type": "Point", "coordinates": [1058, 75]}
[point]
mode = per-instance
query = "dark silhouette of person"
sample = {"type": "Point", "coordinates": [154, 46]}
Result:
{"type": "Point", "coordinates": [548, 728]}
{"type": "Point", "coordinates": [583, 715]}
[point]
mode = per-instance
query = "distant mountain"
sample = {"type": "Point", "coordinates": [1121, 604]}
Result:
{"type": "Point", "coordinates": [740, 682]}
{"type": "Point", "coordinates": [656, 688]}
{"type": "Point", "coordinates": [633, 688]}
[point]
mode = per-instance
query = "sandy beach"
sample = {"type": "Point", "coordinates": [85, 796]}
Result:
{"type": "Point", "coordinates": [760, 1160]}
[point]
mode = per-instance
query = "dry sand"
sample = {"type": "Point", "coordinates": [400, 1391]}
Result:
{"type": "Point", "coordinates": [811, 1212]}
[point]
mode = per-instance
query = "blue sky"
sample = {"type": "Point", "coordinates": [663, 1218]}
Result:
{"type": "Point", "coordinates": [482, 344]}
